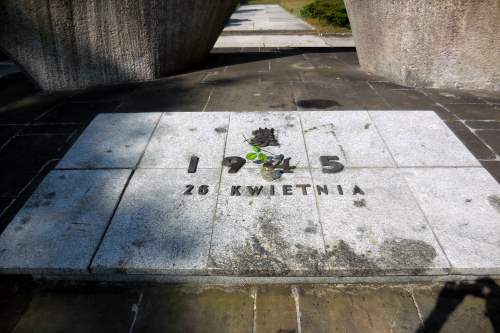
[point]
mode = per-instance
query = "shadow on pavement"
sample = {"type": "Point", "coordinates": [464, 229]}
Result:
{"type": "Point", "coordinates": [453, 294]}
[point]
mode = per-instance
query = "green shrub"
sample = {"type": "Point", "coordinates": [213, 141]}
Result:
{"type": "Point", "coordinates": [328, 11]}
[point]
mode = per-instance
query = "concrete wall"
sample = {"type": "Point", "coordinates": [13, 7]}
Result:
{"type": "Point", "coordinates": [80, 43]}
{"type": "Point", "coordinates": [429, 43]}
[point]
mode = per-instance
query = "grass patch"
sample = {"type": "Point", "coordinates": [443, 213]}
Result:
{"type": "Point", "coordinates": [320, 22]}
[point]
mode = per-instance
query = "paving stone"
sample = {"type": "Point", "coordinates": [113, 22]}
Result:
{"type": "Point", "coordinates": [174, 95]}
{"type": "Point", "coordinates": [159, 230]}
{"type": "Point", "coordinates": [357, 309]}
{"type": "Point", "coordinates": [11, 182]}
{"type": "Point", "coordinates": [14, 87]}
{"type": "Point", "coordinates": [30, 153]}
{"type": "Point", "coordinates": [60, 226]}
{"type": "Point", "coordinates": [4, 203]}
{"type": "Point", "coordinates": [31, 107]}
{"type": "Point", "coordinates": [350, 135]}
{"type": "Point", "coordinates": [16, 293]}
{"type": "Point", "coordinates": [264, 18]}
{"type": "Point", "coordinates": [493, 167]}
{"type": "Point", "coordinates": [460, 307]}
{"type": "Point", "coordinates": [77, 112]}
{"type": "Point", "coordinates": [334, 74]}
{"type": "Point", "coordinates": [7, 132]}
{"type": "Point", "coordinates": [179, 136]}
{"type": "Point", "coordinates": [287, 131]}
{"type": "Point", "coordinates": [474, 111]}
{"type": "Point", "coordinates": [463, 207]}
{"type": "Point", "coordinates": [452, 96]}
{"type": "Point", "coordinates": [22, 197]}
{"type": "Point", "coordinates": [403, 99]}
{"type": "Point", "coordinates": [264, 96]}
{"type": "Point", "coordinates": [67, 129]}
{"type": "Point", "coordinates": [332, 96]}
{"type": "Point", "coordinates": [471, 141]}
{"type": "Point", "coordinates": [112, 141]}
{"type": "Point", "coordinates": [231, 80]}
{"type": "Point", "coordinates": [488, 125]}
{"type": "Point", "coordinates": [363, 232]}
{"type": "Point", "coordinates": [492, 138]}
{"type": "Point", "coordinates": [106, 93]}
{"type": "Point", "coordinates": [171, 308]}
{"type": "Point", "coordinates": [276, 310]}
{"type": "Point", "coordinates": [107, 309]}
{"type": "Point", "coordinates": [270, 234]}
{"type": "Point", "coordinates": [411, 137]}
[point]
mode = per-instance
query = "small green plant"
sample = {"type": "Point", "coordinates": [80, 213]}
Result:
{"type": "Point", "coordinates": [328, 11]}
{"type": "Point", "coordinates": [257, 155]}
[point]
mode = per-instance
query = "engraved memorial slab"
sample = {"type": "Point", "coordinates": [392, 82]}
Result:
{"type": "Point", "coordinates": [361, 195]}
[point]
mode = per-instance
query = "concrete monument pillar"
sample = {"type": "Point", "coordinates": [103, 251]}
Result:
{"type": "Point", "coordinates": [437, 43]}
{"type": "Point", "coordinates": [75, 44]}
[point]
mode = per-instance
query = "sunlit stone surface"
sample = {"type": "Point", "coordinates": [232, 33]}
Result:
{"type": "Point", "coordinates": [411, 201]}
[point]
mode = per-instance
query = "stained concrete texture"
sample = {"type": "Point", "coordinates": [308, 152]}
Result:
{"type": "Point", "coordinates": [440, 44]}
{"type": "Point", "coordinates": [75, 45]}
{"type": "Point", "coordinates": [62, 307]}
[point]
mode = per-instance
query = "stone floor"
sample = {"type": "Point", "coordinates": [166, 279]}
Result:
{"type": "Point", "coordinates": [68, 307]}
{"type": "Point", "coordinates": [119, 203]}
{"type": "Point", "coordinates": [37, 129]}
{"type": "Point", "coordinates": [265, 18]}
{"type": "Point", "coordinates": [264, 26]}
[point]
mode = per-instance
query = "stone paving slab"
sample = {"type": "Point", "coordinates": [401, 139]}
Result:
{"type": "Point", "coordinates": [421, 139]}
{"type": "Point", "coordinates": [372, 225]}
{"type": "Point", "coordinates": [281, 41]}
{"type": "Point", "coordinates": [61, 225]}
{"type": "Point", "coordinates": [392, 212]}
{"type": "Point", "coordinates": [264, 17]}
{"type": "Point", "coordinates": [157, 229]}
{"type": "Point", "coordinates": [266, 234]}
{"type": "Point", "coordinates": [463, 207]}
{"type": "Point", "coordinates": [179, 136]}
{"type": "Point", "coordinates": [350, 135]}
{"type": "Point", "coordinates": [125, 139]}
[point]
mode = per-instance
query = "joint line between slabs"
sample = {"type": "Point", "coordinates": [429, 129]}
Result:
{"type": "Point", "coordinates": [411, 191]}
{"type": "Point", "coordinates": [135, 311]}
{"type": "Point", "coordinates": [149, 141]}
{"type": "Point", "coordinates": [208, 100]}
{"type": "Point", "coordinates": [218, 193]}
{"type": "Point", "coordinates": [313, 182]}
{"type": "Point", "coordinates": [115, 209]}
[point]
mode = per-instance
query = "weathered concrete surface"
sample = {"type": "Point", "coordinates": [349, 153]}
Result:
{"type": "Point", "coordinates": [440, 44]}
{"type": "Point", "coordinates": [75, 44]}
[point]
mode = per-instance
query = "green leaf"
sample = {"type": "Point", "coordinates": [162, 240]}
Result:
{"type": "Point", "coordinates": [263, 157]}
{"type": "Point", "coordinates": [251, 156]}
{"type": "Point", "coordinates": [256, 149]}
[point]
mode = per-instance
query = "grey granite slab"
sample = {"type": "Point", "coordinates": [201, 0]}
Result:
{"type": "Point", "coordinates": [59, 228]}
{"type": "Point", "coordinates": [264, 234]}
{"type": "Point", "coordinates": [114, 140]}
{"type": "Point", "coordinates": [350, 135]}
{"type": "Point", "coordinates": [463, 207]}
{"type": "Point", "coordinates": [421, 139]}
{"type": "Point", "coordinates": [287, 131]}
{"type": "Point", "coordinates": [159, 230]}
{"type": "Point", "coordinates": [181, 135]}
{"type": "Point", "coordinates": [376, 228]}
